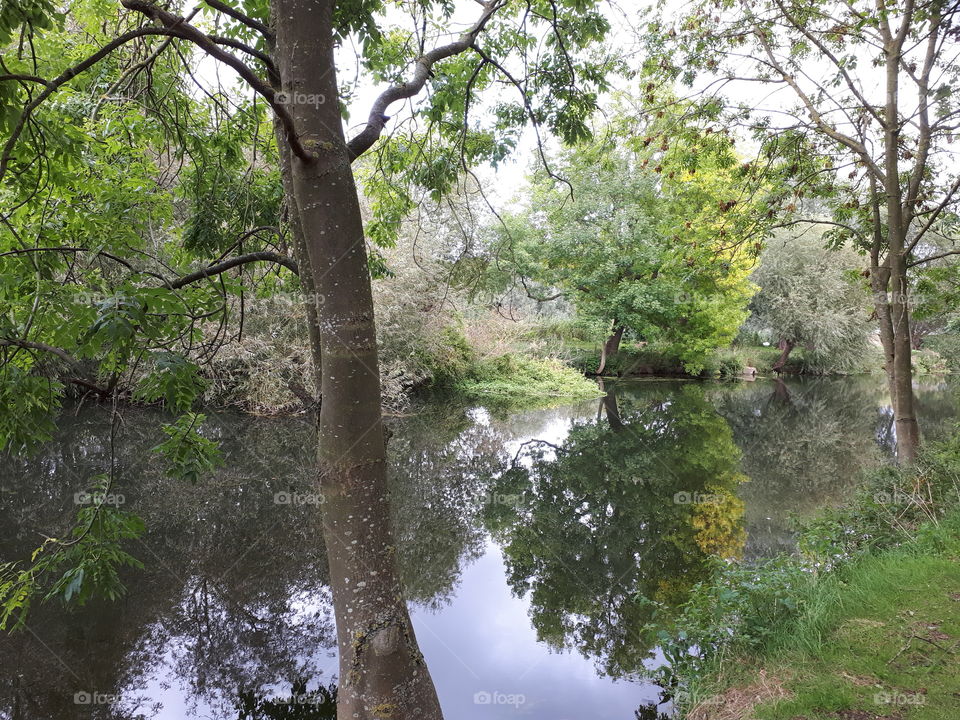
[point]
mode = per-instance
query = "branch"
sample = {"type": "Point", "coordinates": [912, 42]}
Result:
{"type": "Point", "coordinates": [799, 25]}
{"type": "Point", "coordinates": [815, 114]}
{"type": "Point", "coordinates": [931, 258]}
{"type": "Point", "coordinates": [63, 355]}
{"type": "Point", "coordinates": [180, 27]}
{"type": "Point", "coordinates": [211, 270]}
{"type": "Point", "coordinates": [923, 91]}
{"type": "Point", "coordinates": [259, 55]}
{"type": "Point", "coordinates": [530, 295]}
{"type": "Point", "coordinates": [27, 344]}
{"type": "Point", "coordinates": [934, 214]}
{"type": "Point", "coordinates": [377, 119]}
{"type": "Point", "coordinates": [240, 17]}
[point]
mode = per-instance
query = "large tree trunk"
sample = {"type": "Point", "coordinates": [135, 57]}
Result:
{"type": "Point", "coordinates": [611, 346]}
{"type": "Point", "coordinates": [382, 673]}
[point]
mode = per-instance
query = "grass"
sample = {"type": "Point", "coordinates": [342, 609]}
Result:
{"type": "Point", "coordinates": [517, 378]}
{"type": "Point", "coordinates": [880, 643]}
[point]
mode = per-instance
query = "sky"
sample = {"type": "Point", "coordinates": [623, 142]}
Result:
{"type": "Point", "coordinates": [505, 183]}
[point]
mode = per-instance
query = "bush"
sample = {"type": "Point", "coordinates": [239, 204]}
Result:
{"type": "Point", "coordinates": [928, 362]}
{"type": "Point", "coordinates": [947, 345]}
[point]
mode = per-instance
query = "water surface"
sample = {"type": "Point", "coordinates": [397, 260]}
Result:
{"type": "Point", "coordinates": [533, 545]}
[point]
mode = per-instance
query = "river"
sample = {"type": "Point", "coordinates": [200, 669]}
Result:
{"type": "Point", "coordinates": [530, 543]}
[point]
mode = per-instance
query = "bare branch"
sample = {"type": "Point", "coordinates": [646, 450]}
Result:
{"type": "Point", "coordinates": [377, 119]}
{"type": "Point", "coordinates": [212, 270]}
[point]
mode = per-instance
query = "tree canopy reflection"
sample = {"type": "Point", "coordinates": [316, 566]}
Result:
{"type": "Point", "coordinates": [622, 517]}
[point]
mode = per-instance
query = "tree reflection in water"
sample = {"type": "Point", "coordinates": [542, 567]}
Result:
{"type": "Point", "coordinates": [622, 517]}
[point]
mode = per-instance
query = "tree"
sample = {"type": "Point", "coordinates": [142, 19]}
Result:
{"type": "Point", "coordinates": [807, 297]}
{"type": "Point", "coordinates": [285, 51]}
{"type": "Point", "coordinates": [858, 107]}
{"type": "Point", "coordinates": [640, 236]}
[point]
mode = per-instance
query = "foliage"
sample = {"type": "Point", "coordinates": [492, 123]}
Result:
{"type": "Point", "coordinates": [29, 402]}
{"type": "Point", "coordinates": [515, 378]}
{"type": "Point", "coordinates": [811, 296]}
{"type": "Point", "coordinates": [646, 237]}
{"type": "Point", "coordinates": [190, 455]}
{"type": "Point", "coordinates": [77, 568]}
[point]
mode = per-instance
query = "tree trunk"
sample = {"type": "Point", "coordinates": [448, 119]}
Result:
{"type": "Point", "coordinates": [611, 346]}
{"type": "Point", "coordinates": [908, 432]}
{"type": "Point", "coordinates": [908, 429]}
{"type": "Point", "coordinates": [382, 672]}
{"type": "Point", "coordinates": [610, 406]}
{"type": "Point", "coordinates": [311, 300]}
{"type": "Point", "coordinates": [786, 347]}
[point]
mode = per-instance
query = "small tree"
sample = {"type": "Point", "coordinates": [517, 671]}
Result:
{"type": "Point", "coordinates": [641, 236]}
{"type": "Point", "coordinates": [808, 297]}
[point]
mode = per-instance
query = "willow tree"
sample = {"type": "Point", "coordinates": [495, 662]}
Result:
{"type": "Point", "coordinates": [284, 51]}
{"type": "Point", "coordinates": [856, 100]}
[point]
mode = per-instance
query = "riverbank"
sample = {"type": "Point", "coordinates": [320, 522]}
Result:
{"type": "Point", "coordinates": [862, 624]}
{"type": "Point", "coordinates": [736, 361]}
{"type": "Point", "coordinates": [880, 644]}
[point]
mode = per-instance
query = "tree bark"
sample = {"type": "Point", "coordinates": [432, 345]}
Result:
{"type": "Point", "coordinates": [611, 346]}
{"type": "Point", "coordinates": [786, 347]}
{"type": "Point", "coordinates": [908, 432]}
{"type": "Point", "coordinates": [311, 299]}
{"type": "Point", "coordinates": [382, 672]}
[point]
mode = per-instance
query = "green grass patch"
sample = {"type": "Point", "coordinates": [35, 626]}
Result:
{"type": "Point", "coordinates": [516, 378]}
{"type": "Point", "coordinates": [886, 647]}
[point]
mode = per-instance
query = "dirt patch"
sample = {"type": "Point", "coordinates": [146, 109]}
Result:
{"type": "Point", "coordinates": [737, 703]}
{"type": "Point", "coordinates": [864, 715]}
{"type": "Point", "coordinates": [859, 680]}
